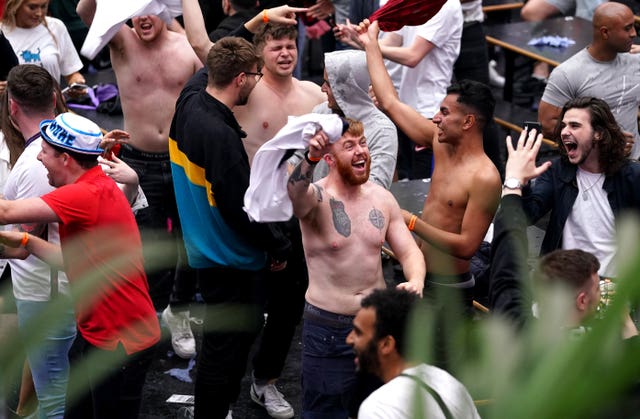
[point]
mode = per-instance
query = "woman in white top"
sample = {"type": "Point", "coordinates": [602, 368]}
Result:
{"type": "Point", "coordinates": [41, 40]}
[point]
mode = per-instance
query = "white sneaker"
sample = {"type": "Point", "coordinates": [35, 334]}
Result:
{"type": "Point", "coordinates": [184, 345]}
{"type": "Point", "coordinates": [495, 79]}
{"type": "Point", "coordinates": [272, 400]}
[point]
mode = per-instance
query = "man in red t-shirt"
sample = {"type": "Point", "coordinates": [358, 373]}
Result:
{"type": "Point", "coordinates": [101, 253]}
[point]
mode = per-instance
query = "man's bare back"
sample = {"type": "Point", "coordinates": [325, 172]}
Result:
{"type": "Point", "coordinates": [150, 76]}
{"type": "Point", "coordinates": [270, 103]}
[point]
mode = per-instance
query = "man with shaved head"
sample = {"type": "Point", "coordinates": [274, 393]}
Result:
{"type": "Point", "coordinates": [605, 70]}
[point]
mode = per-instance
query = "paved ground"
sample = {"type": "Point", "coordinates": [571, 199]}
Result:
{"type": "Point", "coordinates": [160, 386]}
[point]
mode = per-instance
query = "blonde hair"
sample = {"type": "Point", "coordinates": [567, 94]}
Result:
{"type": "Point", "coordinates": [9, 17]}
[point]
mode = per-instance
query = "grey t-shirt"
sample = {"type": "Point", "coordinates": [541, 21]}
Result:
{"type": "Point", "coordinates": [580, 8]}
{"type": "Point", "coordinates": [617, 82]}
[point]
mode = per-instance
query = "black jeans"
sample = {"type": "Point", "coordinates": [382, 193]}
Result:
{"type": "Point", "coordinates": [159, 222]}
{"type": "Point", "coordinates": [285, 301]}
{"type": "Point", "coordinates": [233, 317]}
{"type": "Point", "coordinates": [115, 390]}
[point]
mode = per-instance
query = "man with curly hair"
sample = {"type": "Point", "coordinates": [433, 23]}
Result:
{"type": "Point", "coordinates": [587, 187]}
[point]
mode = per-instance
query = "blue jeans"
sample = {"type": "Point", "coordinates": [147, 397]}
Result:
{"type": "Point", "coordinates": [48, 359]}
{"type": "Point", "coordinates": [328, 370]}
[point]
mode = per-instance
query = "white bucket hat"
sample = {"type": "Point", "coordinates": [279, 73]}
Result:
{"type": "Point", "coordinates": [72, 132]}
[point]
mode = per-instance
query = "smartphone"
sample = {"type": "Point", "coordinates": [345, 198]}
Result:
{"type": "Point", "coordinates": [529, 125]}
{"type": "Point", "coordinates": [75, 86]}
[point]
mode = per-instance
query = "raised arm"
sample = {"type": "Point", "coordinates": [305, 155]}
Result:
{"type": "Point", "coordinates": [420, 129]}
{"type": "Point", "coordinates": [305, 196]}
{"type": "Point", "coordinates": [195, 29]}
{"type": "Point", "coordinates": [406, 250]}
{"type": "Point", "coordinates": [86, 10]}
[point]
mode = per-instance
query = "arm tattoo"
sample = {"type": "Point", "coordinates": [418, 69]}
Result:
{"type": "Point", "coordinates": [377, 218]}
{"type": "Point", "coordinates": [298, 175]}
{"type": "Point", "coordinates": [341, 220]}
{"type": "Point", "coordinates": [318, 192]}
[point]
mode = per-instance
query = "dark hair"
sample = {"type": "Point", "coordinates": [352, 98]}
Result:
{"type": "Point", "coordinates": [274, 31]}
{"type": "Point", "coordinates": [571, 267]}
{"type": "Point", "coordinates": [32, 87]}
{"type": "Point", "coordinates": [612, 140]}
{"type": "Point", "coordinates": [13, 137]}
{"type": "Point", "coordinates": [229, 57]}
{"type": "Point", "coordinates": [477, 97]}
{"type": "Point", "coordinates": [86, 161]}
{"type": "Point", "coordinates": [393, 307]}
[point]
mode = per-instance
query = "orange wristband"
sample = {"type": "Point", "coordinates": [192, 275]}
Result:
{"type": "Point", "coordinates": [25, 239]}
{"type": "Point", "coordinates": [265, 17]}
{"type": "Point", "coordinates": [412, 222]}
{"type": "Point", "coordinates": [311, 160]}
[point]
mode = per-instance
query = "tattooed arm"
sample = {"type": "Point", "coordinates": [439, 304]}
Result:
{"type": "Point", "coordinates": [305, 196]}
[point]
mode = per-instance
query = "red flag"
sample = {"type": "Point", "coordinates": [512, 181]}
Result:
{"type": "Point", "coordinates": [398, 13]}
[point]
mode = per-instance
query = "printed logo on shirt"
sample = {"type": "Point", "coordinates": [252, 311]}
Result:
{"type": "Point", "coordinates": [30, 57]}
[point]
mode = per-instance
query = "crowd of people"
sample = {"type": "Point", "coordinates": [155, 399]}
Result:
{"type": "Point", "coordinates": [211, 112]}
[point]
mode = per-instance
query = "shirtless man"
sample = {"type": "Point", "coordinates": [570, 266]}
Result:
{"type": "Point", "coordinates": [152, 64]}
{"type": "Point", "coordinates": [465, 186]}
{"type": "Point", "coordinates": [278, 94]}
{"type": "Point", "coordinates": [344, 219]}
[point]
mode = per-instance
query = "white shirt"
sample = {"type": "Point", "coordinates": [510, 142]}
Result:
{"type": "Point", "coordinates": [590, 225]}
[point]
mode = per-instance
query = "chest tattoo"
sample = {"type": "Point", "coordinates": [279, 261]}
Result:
{"type": "Point", "coordinates": [318, 192]}
{"type": "Point", "coordinates": [377, 218]}
{"type": "Point", "coordinates": [341, 220]}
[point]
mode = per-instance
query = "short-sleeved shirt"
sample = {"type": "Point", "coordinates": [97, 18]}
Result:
{"type": "Point", "coordinates": [617, 82]}
{"type": "Point", "coordinates": [100, 241]}
{"type": "Point", "coordinates": [424, 86]}
{"type": "Point", "coordinates": [38, 46]}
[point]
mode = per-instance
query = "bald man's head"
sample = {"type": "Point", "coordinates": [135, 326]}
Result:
{"type": "Point", "coordinates": [613, 26]}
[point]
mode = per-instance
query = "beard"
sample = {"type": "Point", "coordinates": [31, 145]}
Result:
{"type": "Point", "coordinates": [346, 172]}
{"type": "Point", "coordinates": [368, 359]}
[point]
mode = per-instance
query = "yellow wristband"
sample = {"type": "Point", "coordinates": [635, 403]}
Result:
{"type": "Point", "coordinates": [265, 17]}
{"type": "Point", "coordinates": [25, 239]}
{"type": "Point", "coordinates": [412, 222]}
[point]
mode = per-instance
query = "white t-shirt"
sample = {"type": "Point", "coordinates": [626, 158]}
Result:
{"type": "Point", "coordinates": [31, 277]}
{"type": "Point", "coordinates": [395, 399]}
{"type": "Point", "coordinates": [36, 46]}
{"type": "Point", "coordinates": [590, 225]}
{"type": "Point", "coordinates": [424, 86]}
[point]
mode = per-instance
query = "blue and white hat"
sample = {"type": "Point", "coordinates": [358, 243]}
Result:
{"type": "Point", "coordinates": [72, 132]}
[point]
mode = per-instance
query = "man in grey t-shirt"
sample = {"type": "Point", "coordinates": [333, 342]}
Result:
{"type": "Point", "coordinates": [604, 70]}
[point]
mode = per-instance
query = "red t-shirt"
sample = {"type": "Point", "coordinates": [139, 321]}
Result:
{"type": "Point", "coordinates": [101, 243]}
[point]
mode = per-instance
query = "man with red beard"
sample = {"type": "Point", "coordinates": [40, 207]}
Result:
{"type": "Point", "coordinates": [344, 219]}
{"type": "Point", "coordinates": [587, 187]}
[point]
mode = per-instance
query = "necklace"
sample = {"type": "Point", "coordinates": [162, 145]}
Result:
{"type": "Point", "coordinates": [584, 190]}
